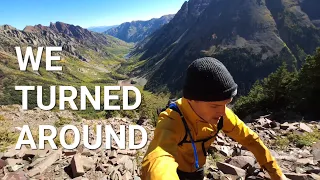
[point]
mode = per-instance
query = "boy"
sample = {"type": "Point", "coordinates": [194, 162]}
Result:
{"type": "Point", "coordinates": [187, 129]}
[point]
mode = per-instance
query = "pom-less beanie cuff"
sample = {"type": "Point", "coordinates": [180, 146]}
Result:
{"type": "Point", "coordinates": [203, 96]}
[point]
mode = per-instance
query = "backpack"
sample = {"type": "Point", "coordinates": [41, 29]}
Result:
{"type": "Point", "coordinates": [172, 105]}
{"type": "Point", "coordinates": [159, 110]}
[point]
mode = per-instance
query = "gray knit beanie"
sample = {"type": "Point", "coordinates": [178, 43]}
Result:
{"type": "Point", "coordinates": [208, 79]}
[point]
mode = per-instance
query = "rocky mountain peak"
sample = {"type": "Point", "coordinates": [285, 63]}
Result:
{"type": "Point", "coordinates": [190, 10]}
{"type": "Point", "coordinates": [70, 30]}
{"type": "Point", "coordinates": [7, 27]}
{"type": "Point", "coordinates": [36, 29]}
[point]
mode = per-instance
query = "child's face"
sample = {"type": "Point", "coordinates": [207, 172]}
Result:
{"type": "Point", "coordinates": [210, 111]}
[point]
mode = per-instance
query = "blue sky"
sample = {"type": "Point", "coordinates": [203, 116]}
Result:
{"type": "Point", "coordinates": [85, 13]}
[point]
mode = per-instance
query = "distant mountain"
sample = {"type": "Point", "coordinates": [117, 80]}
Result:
{"type": "Point", "coordinates": [136, 31]}
{"type": "Point", "coordinates": [88, 58]}
{"type": "Point", "coordinates": [251, 37]}
{"type": "Point", "coordinates": [101, 29]}
{"type": "Point", "coordinates": [74, 39]}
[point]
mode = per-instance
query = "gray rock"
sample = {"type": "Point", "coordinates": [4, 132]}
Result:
{"type": "Point", "coordinates": [35, 162]}
{"type": "Point", "coordinates": [287, 126]}
{"type": "Point", "coordinates": [101, 168]}
{"type": "Point", "coordinates": [116, 175]}
{"type": "Point", "coordinates": [314, 176]}
{"type": "Point", "coordinates": [67, 152]}
{"type": "Point", "coordinates": [287, 158]}
{"type": "Point", "coordinates": [77, 166]}
{"type": "Point", "coordinates": [88, 163]}
{"type": "Point", "coordinates": [87, 152]}
{"type": "Point", "coordinates": [304, 153]}
{"type": "Point", "coordinates": [123, 151]}
{"type": "Point", "coordinates": [300, 170]}
{"type": "Point", "coordinates": [12, 152]}
{"type": "Point", "coordinates": [80, 178]}
{"type": "Point", "coordinates": [113, 161]}
{"type": "Point", "coordinates": [271, 133]}
{"type": "Point", "coordinates": [2, 163]}
{"type": "Point", "coordinates": [264, 175]}
{"type": "Point", "coordinates": [213, 175]}
{"type": "Point", "coordinates": [127, 176]}
{"type": "Point", "coordinates": [230, 169]}
{"type": "Point", "coordinates": [305, 128]}
{"type": "Point", "coordinates": [225, 150]}
{"type": "Point", "coordinates": [57, 168]}
{"type": "Point", "coordinates": [305, 161]}
{"type": "Point", "coordinates": [242, 162]}
{"type": "Point", "coordinates": [15, 167]}
{"type": "Point", "coordinates": [264, 122]}
{"type": "Point", "coordinates": [284, 126]}
{"type": "Point", "coordinates": [295, 176]}
{"type": "Point", "coordinates": [316, 151]}
{"type": "Point", "coordinates": [315, 170]}
{"type": "Point", "coordinates": [247, 153]}
{"type": "Point", "coordinates": [105, 177]}
{"type": "Point", "coordinates": [254, 178]}
{"type": "Point", "coordinates": [12, 162]}
{"type": "Point", "coordinates": [42, 166]}
{"type": "Point", "coordinates": [113, 154]}
{"type": "Point", "coordinates": [220, 141]}
{"type": "Point", "coordinates": [15, 176]}
{"type": "Point", "coordinates": [109, 168]}
{"type": "Point", "coordinates": [127, 163]}
{"type": "Point", "coordinates": [236, 151]}
{"type": "Point", "coordinates": [21, 152]}
{"type": "Point", "coordinates": [231, 177]}
{"type": "Point", "coordinates": [274, 124]}
{"type": "Point", "coordinates": [37, 152]}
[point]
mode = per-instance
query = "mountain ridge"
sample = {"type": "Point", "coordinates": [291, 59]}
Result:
{"type": "Point", "coordinates": [252, 38]}
{"type": "Point", "coordinates": [136, 31]}
{"type": "Point", "coordinates": [87, 58]}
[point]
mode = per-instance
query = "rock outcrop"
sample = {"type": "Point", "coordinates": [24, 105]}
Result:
{"type": "Point", "coordinates": [226, 160]}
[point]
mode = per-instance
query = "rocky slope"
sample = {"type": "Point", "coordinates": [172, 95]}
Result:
{"type": "Point", "coordinates": [227, 159]}
{"type": "Point", "coordinates": [251, 37]}
{"type": "Point", "coordinates": [136, 31]}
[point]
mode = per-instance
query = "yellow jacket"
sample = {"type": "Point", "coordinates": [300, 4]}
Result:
{"type": "Point", "coordinates": [164, 156]}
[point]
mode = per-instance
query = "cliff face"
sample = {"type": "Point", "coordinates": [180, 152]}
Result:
{"type": "Point", "coordinates": [251, 37]}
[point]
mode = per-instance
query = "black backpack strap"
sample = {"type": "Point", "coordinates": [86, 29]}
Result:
{"type": "Point", "coordinates": [186, 135]}
{"type": "Point", "coordinates": [174, 107]}
{"type": "Point", "coordinates": [219, 127]}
